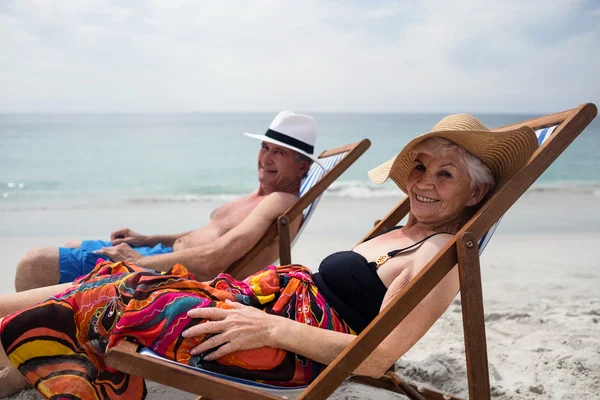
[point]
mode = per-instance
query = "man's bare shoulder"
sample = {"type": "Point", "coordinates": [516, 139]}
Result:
{"type": "Point", "coordinates": [283, 197]}
{"type": "Point", "coordinates": [278, 202]}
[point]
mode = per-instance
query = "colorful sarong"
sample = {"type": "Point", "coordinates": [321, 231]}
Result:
{"type": "Point", "coordinates": [58, 345]}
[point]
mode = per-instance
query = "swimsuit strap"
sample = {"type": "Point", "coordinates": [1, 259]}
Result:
{"type": "Point", "coordinates": [382, 259]}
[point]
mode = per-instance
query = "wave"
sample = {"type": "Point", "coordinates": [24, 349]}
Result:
{"type": "Point", "coordinates": [362, 190]}
{"type": "Point", "coordinates": [580, 187]}
{"type": "Point", "coordinates": [352, 189]}
{"type": "Point", "coordinates": [368, 190]}
{"type": "Point", "coordinates": [184, 198]}
{"type": "Point", "coordinates": [94, 203]}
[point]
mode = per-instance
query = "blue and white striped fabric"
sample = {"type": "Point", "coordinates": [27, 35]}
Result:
{"type": "Point", "coordinates": [314, 175]}
{"type": "Point", "coordinates": [542, 135]}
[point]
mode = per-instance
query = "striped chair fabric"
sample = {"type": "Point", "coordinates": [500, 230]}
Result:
{"type": "Point", "coordinates": [542, 135]}
{"type": "Point", "coordinates": [316, 173]}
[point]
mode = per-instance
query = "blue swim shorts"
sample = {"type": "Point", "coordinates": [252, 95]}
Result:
{"type": "Point", "coordinates": [77, 262]}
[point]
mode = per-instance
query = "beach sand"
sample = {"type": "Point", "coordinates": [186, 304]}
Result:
{"type": "Point", "coordinates": [540, 287]}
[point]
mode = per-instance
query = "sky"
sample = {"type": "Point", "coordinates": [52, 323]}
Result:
{"type": "Point", "coordinates": [326, 56]}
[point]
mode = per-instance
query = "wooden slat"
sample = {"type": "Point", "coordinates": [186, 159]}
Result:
{"type": "Point", "coordinates": [402, 304]}
{"type": "Point", "coordinates": [503, 198]}
{"type": "Point", "coordinates": [338, 150]}
{"type": "Point", "coordinates": [124, 357]}
{"type": "Point", "coordinates": [238, 268]}
{"type": "Point", "coordinates": [386, 383]}
{"type": "Point", "coordinates": [402, 209]}
{"type": "Point", "coordinates": [471, 296]}
{"type": "Point", "coordinates": [382, 383]}
{"type": "Point", "coordinates": [411, 393]}
{"type": "Point", "coordinates": [382, 325]}
{"type": "Point", "coordinates": [390, 220]}
{"type": "Point", "coordinates": [283, 228]}
{"type": "Point", "coordinates": [540, 122]}
{"type": "Point", "coordinates": [412, 294]}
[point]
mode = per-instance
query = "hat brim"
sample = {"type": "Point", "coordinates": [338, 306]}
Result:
{"type": "Point", "coordinates": [504, 153]}
{"type": "Point", "coordinates": [278, 143]}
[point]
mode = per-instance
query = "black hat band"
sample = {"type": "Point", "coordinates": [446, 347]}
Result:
{"type": "Point", "coordinates": [290, 141]}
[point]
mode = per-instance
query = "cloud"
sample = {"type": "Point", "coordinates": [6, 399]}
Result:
{"type": "Point", "coordinates": [163, 55]}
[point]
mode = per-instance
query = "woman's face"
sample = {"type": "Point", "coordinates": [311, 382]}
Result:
{"type": "Point", "coordinates": [439, 188]}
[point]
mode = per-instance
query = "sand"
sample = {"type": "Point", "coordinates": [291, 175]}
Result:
{"type": "Point", "coordinates": [540, 283]}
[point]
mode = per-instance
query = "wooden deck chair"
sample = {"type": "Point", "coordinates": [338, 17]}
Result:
{"type": "Point", "coordinates": [462, 250]}
{"type": "Point", "coordinates": [319, 178]}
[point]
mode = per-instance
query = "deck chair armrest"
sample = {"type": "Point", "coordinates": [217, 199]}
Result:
{"type": "Point", "coordinates": [463, 248]}
{"type": "Point", "coordinates": [125, 357]}
{"type": "Point", "coordinates": [354, 151]}
{"type": "Point", "coordinates": [390, 220]}
{"type": "Point", "coordinates": [285, 251]}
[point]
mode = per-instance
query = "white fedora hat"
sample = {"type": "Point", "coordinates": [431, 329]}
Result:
{"type": "Point", "coordinates": [293, 131]}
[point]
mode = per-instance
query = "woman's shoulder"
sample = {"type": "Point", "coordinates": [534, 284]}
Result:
{"type": "Point", "coordinates": [439, 239]}
{"type": "Point", "coordinates": [432, 246]}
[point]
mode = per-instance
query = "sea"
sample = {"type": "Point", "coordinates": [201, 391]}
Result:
{"type": "Point", "coordinates": [62, 161]}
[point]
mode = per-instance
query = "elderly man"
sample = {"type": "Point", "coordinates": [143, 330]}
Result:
{"type": "Point", "coordinates": [284, 158]}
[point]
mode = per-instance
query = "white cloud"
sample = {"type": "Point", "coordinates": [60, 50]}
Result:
{"type": "Point", "coordinates": [313, 56]}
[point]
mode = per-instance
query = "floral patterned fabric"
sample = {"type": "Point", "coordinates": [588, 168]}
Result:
{"type": "Point", "coordinates": [58, 345]}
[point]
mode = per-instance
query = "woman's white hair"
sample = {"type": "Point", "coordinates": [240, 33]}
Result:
{"type": "Point", "coordinates": [479, 172]}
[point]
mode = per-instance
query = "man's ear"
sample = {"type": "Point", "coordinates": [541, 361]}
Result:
{"type": "Point", "coordinates": [478, 194]}
{"type": "Point", "coordinates": [304, 167]}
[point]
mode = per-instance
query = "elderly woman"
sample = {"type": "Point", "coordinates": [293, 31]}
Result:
{"type": "Point", "coordinates": [236, 327]}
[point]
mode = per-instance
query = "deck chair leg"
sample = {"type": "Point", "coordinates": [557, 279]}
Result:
{"type": "Point", "coordinates": [404, 388]}
{"type": "Point", "coordinates": [283, 228]}
{"type": "Point", "coordinates": [471, 297]}
{"type": "Point", "coordinates": [411, 393]}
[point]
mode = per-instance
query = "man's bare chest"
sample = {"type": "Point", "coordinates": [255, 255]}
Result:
{"type": "Point", "coordinates": [231, 215]}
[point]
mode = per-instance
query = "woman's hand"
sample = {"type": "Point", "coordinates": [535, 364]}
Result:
{"type": "Point", "coordinates": [239, 328]}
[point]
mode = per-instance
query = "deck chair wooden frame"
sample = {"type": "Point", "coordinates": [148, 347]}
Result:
{"type": "Point", "coordinates": [461, 250]}
{"type": "Point", "coordinates": [280, 229]}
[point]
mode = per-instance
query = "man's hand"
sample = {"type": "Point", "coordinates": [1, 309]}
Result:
{"type": "Point", "coordinates": [120, 252]}
{"type": "Point", "coordinates": [127, 236]}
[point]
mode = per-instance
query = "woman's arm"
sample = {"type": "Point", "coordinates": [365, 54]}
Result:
{"type": "Point", "coordinates": [324, 346]}
{"type": "Point", "coordinates": [13, 302]}
{"type": "Point", "coordinates": [413, 327]}
{"type": "Point", "coordinates": [244, 328]}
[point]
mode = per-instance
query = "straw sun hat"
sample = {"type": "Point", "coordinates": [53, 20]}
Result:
{"type": "Point", "coordinates": [503, 152]}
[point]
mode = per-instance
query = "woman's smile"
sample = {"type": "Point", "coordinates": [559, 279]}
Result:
{"type": "Point", "coordinates": [424, 199]}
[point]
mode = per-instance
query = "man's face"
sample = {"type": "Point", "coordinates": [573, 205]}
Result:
{"type": "Point", "coordinates": [277, 166]}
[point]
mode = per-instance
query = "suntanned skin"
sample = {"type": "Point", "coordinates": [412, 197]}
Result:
{"type": "Point", "coordinates": [438, 204]}
{"type": "Point", "coordinates": [439, 195]}
{"type": "Point", "coordinates": [231, 232]}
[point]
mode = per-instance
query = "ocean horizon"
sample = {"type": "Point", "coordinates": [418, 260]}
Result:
{"type": "Point", "coordinates": [66, 160]}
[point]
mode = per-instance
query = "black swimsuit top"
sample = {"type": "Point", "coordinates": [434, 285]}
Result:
{"type": "Point", "coordinates": [351, 285]}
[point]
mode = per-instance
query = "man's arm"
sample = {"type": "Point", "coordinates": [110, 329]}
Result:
{"type": "Point", "coordinates": [206, 261]}
{"type": "Point", "coordinates": [135, 239]}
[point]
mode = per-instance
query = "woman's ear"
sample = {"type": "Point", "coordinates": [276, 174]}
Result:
{"type": "Point", "coordinates": [478, 194]}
